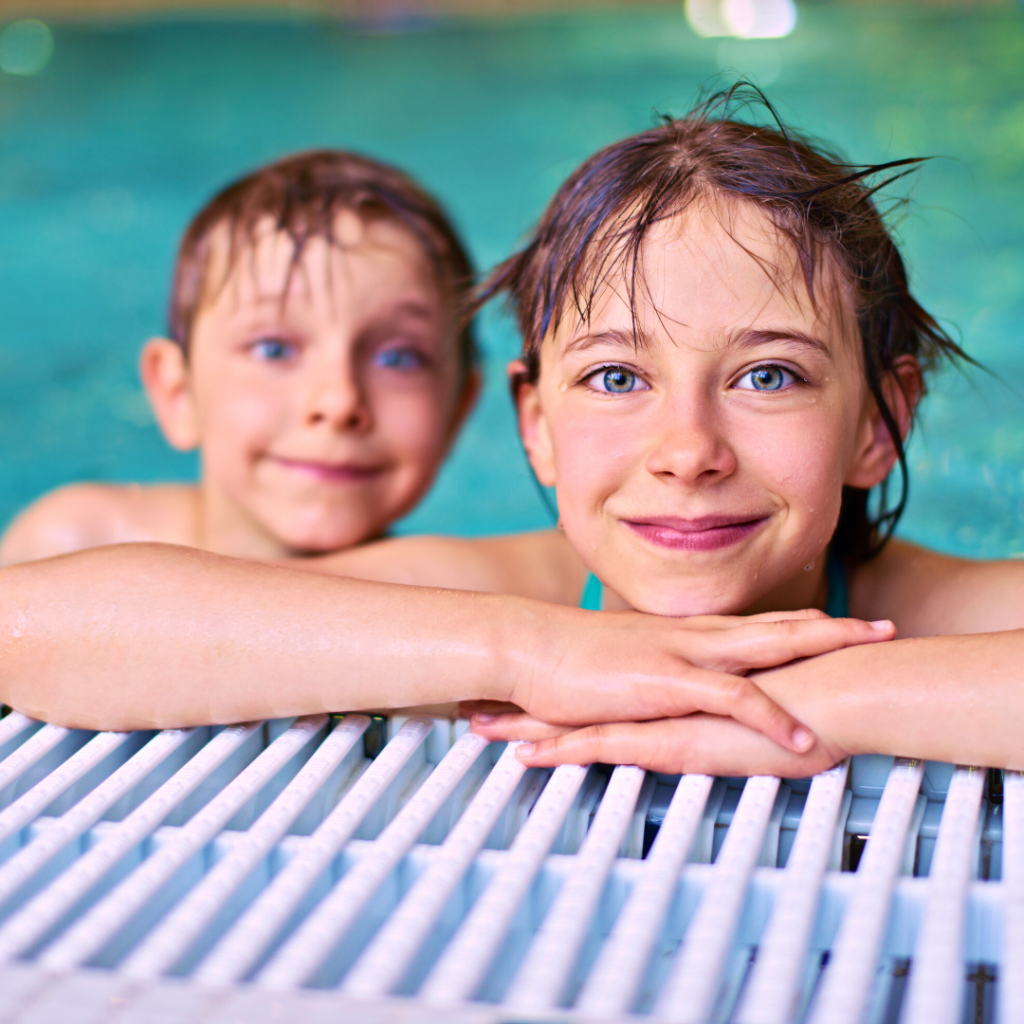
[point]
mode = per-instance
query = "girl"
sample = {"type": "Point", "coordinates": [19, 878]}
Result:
{"type": "Point", "coordinates": [721, 360]}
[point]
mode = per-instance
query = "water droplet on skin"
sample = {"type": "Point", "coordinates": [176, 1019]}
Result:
{"type": "Point", "coordinates": [564, 386]}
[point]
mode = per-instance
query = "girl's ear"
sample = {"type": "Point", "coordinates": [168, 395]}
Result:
{"type": "Point", "coordinates": [876, 454]}
{"type": "Point", "coordinates": [533, 427]}
{"type": "Point", "coordinates": [165, 377]}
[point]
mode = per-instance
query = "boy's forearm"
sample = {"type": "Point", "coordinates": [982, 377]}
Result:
{"type": "Point", "coordinates": [146, 636]}
{"type": "Point", "coordinates": [950, 698]}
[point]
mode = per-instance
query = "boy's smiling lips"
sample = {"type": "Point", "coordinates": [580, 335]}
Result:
{"type": "Point", "coordinates": [330, 472]}
{"type": "Point", "coordinates": [706, 533]}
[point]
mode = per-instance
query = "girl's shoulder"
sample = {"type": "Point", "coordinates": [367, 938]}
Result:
{"type": "Point", "coordinates": [927, 593]}
{"type": "Point", "coordinates": [540, 565]}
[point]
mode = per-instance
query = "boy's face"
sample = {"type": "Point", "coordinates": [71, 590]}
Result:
{"type": "Point", "coordinates": [323, 405]}
{"type": "Point", "coordinates": [701, 471]}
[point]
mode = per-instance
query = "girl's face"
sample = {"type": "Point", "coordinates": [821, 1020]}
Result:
{"type": "Point", "coordinates": [701, 470]}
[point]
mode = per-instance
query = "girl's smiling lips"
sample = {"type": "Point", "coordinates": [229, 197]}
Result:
{"type": "Point", "coordinates": [707, 533]}
{"type": "Point", "coordinates": [342, 472]}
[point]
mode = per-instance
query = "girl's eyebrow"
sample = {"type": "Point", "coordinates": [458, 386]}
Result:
{"type": "Point", "coordinates": [749, 338]}
{"type": "Point", "coordinates": [754, 337]}
{"type": "Point", "coordinates": [613, 336]}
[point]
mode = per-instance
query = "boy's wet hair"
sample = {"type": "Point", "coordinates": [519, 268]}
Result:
{"type": "Point", "coordinates": [593, 231]}
{"type": "Point", "coordinates": [303, 195]}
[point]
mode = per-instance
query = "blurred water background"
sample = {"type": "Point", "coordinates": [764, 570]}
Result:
{"type": "Point", "coordinates": [127, 126]}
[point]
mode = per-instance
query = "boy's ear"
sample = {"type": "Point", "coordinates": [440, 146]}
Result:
{"type": "Point", "coordinates": [165, 377]}
{"type": "Point", "coordinates": [533, 427]}
{"type": "Point", "coordinates": [876, 454]}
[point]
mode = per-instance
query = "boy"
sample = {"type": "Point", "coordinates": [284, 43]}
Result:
{"type": "Point", "coordinates": [317, 358]}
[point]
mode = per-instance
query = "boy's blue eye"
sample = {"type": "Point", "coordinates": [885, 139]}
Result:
{"type": "Point", "coordinates": [765, 378]}
{"type": "Point", "coordinates": [273, 349]}
{"type": "Point", "coordinates": [616, 380]}
{"type": "Point", "coordinates": [399, 359]}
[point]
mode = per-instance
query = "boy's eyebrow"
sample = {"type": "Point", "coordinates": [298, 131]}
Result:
{"type": "Point", "coordinates": [411, 307]}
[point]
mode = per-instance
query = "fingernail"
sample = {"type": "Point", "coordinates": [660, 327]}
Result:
{"type": "Point", "coordinates": [882, 625]}
{"type": "Point", "coordinates": [802, 739]}
{"type": "Point", "coordinates": [483, 717]}
{"type": "Point", "coordinates": [526, 749]}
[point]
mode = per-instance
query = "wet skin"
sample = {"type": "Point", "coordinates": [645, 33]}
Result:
{"type": "Point", "coordinates": [700, 470]}
{"type": "Point", "coordinates": [323, 404]}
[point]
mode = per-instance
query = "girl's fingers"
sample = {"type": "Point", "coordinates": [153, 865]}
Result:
{"type": "Point", "coordinates": [469, 708]}
{"type": "Point", "coordinates": [767, 644]}
{"type": "Point", "coordinates": [517, 726]}
{"type": "Point", "coordinates": [697, 743]}
{"type": "Point", "coordinates": [731, 696]}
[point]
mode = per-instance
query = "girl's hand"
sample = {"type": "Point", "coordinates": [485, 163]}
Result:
{"type": "Point", "coordinates": [706, 744]}
{"type": "Point", "coordinates": [593, 667]}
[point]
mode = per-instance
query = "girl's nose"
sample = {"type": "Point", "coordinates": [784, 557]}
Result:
{"type": "Point", "coordinates": [688, 444]}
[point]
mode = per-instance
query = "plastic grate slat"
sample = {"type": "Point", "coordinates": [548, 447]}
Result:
{"type": "Point", "coordinates": [101, 922]}
{"type": "Point", "coordinates": [847, 984]}
{"type": "Point", "coordinates": [446, 883]}
{"type": "Point", "coordinates": [462, 966]}
{"type": "Point", "coordinates": [382, 965]}
{"type": "Point", "coordinates": [169, 941]}
{"type": "Point", "coordinates": [937, 978]}
{"type": "Point", "coordinates": [692, 988]}
{"type": "Point", "coordinates": [615, 978]}
{"type": "Point", "coordinates": [774, 986]}
{"type": "Point", "coordinates": [42, 912]}
{"type": "Point", "coordinates": [1011, 987]}
{"type": "Point", "coordinates": [545, 972]}
{"type": "Point", "coordinates": [315, 938]}
{"type": "Point", "coordinates": [239, 950]}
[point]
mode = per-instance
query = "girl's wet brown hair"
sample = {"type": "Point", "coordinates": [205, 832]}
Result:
{"type": "Point", "coordinates": [593, 231]}
{"type": "Point", "coordinates": [303, 195]}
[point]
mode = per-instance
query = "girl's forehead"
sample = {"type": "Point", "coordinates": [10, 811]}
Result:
{"type": "Point", "coordinates": [718, 269]}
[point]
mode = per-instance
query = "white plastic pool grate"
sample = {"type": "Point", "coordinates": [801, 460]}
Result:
{"type": "Point", "coordinates": [349, 869]}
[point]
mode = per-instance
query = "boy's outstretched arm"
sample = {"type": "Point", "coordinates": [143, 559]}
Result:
{"type": "Point", "coordinates": [948, 698]}
{"type": "Point", "coordinates": [152, 636]}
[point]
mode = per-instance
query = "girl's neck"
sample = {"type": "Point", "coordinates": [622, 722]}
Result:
{"type": "Point", "coordinates": [809, 589]}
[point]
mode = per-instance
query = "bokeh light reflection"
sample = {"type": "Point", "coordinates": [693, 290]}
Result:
{"type": "Point", "coordinates": [25, 47]}
{"type": "Point", "coordinates": [744, 19]}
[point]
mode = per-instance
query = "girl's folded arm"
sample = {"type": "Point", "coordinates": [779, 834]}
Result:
{"type": "Point", "coordinates": [958, 699]}
{"type": "Point", "coordinates": [153, 636]}
{"type": "Point", "coordinates": [929, 594]}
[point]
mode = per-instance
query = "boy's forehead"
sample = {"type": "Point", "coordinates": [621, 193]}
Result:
{"type": "Point", "coordinates": [260, 263]}
{"type": "Point", "coordinates": [714, 270]}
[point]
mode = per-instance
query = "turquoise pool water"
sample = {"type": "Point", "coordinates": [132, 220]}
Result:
{"type": "Point", "coordinates": [106, 153]}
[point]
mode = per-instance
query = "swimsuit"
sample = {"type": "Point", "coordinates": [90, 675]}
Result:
{"type": "Point", "coordinates": [836, 604]}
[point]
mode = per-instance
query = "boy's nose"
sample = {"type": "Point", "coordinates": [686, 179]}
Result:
{"type": "Point", "coordinates": [337, 400]}
{"type": "Point", "coordinates": [687, 443]}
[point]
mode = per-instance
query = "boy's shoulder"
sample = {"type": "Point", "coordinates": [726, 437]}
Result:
{"type": "Point", "coordinates": [927, 593]}
{"type": "Point", "coordinates": [540, 565]}
{"type": "Point", "coordinates": [87, 515]}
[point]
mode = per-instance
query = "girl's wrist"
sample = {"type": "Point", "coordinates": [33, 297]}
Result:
{"type": "Point", "coordinates": [527, 639]}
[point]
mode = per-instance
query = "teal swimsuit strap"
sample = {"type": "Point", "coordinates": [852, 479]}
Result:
{"type": "Point", "coordinates": [593, 591]}
{"type": "Point", "coordinates": [837, 603]}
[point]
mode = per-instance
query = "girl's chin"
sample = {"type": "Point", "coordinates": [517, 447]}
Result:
{"type": "Point", "coordinates": [677, 605]}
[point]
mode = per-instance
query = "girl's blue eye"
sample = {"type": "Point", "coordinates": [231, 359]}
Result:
{"type": "Point", "coordinates": [399, 359]}
{"type": "Point", "coordinates": [616, 380]}
{"type": "Point", "coordinates": [273, 350]}
{"type": "Point", "coordinates": [766, 378]}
